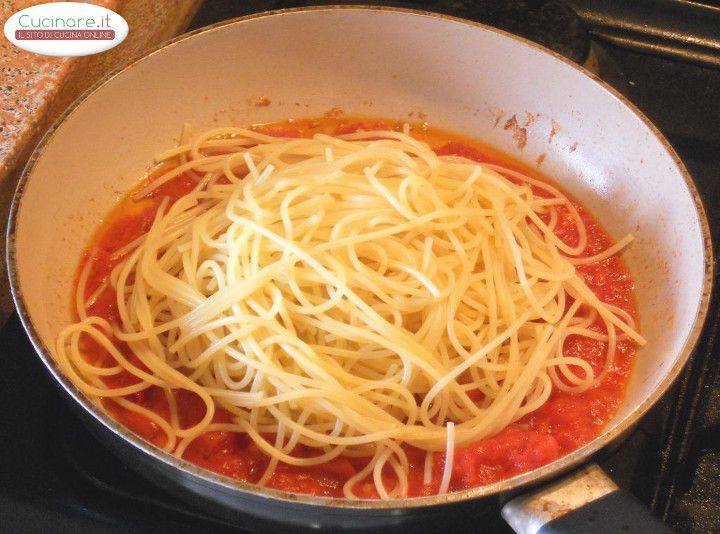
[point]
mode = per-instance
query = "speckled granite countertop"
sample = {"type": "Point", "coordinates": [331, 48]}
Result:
{"type": "Point", "coordinates": [29, 83]}
{"type": "Point", "coordinates": [35, 89]}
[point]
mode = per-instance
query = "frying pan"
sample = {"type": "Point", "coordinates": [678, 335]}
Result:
{"type": "Point", "coordinates": [398, 63]}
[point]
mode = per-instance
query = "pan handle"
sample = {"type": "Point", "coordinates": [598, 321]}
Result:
{"type": "Point", "coordinates": [586, 502]}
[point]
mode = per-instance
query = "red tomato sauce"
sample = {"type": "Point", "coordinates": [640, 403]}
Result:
{"type": "Point", "coordinates": [563, 424]}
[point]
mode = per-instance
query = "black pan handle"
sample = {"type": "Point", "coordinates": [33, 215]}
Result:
{"type": "Point", "coordinates": [586, 502]}
{"type": "Point", "coordinates": [681, 29]}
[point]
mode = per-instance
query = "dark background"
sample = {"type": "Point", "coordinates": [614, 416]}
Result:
{"type": "Point", "coordinates": [55, 477]}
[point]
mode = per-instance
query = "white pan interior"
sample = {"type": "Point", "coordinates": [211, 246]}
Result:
{"type": "Point", "coordinates": [384, 63]}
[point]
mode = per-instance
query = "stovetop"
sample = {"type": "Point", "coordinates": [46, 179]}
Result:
{"type": "Point", "coordinates": [54, 475]}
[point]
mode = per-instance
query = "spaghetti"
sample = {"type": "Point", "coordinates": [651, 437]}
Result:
{"type": "Point", "coordinates": [352, 294]}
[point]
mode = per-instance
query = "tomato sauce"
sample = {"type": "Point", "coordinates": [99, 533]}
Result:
{"type": "Point", "coordinates": [563, 424]}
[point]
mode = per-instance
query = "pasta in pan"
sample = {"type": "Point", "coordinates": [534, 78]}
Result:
{"type": "Point", "coordinates": [350, 295]}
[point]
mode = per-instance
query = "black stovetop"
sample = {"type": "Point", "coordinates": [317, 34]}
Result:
{"type": "Point", "coordinates": [54, 476]}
